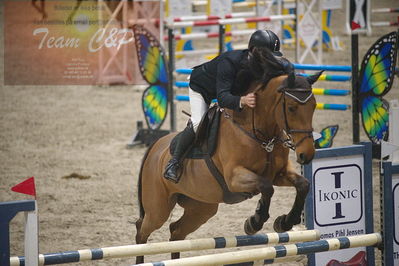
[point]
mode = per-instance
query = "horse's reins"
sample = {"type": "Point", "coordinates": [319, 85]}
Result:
{"type": "Point", "coordinates": [267, 143]}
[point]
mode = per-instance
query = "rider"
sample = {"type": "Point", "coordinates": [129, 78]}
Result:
{"type": "Point", "coordinates": [216, 79]}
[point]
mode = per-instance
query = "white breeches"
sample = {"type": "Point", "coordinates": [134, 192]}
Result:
{"type": "Point", "coordinates": [198, 107]}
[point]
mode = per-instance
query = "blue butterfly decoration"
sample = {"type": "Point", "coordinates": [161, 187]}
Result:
{"type": "Point", "coordinates": [153, 68]}
{"type": "Point", "coordinates": [376, 77]}
{"type": "Point", "coordinates": [327, 136]}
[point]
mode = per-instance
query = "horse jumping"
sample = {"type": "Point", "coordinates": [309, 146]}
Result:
{"type": "Point", "coordinates": [251, 154]}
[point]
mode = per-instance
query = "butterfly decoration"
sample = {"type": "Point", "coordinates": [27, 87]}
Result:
{"type": "Point", "coordinates": [376, 77]}
{"type": "Point", "coordinates": [327, 136]}
{"type": "Point", "coordinates": [153, 68]}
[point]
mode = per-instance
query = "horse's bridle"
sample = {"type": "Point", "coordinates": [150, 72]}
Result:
{"type": "Point", "coordinates": [288, 131]}
{"type": "Point", "coordinates": [284, 137]}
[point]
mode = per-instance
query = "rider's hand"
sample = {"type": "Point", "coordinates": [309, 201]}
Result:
{"type": "Point", "coordinates": [248, 100]}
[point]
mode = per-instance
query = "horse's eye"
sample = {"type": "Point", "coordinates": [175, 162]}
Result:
{"type": "Point", "coordinates": [292, 109]}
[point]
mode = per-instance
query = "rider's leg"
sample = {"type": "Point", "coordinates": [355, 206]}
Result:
{"type": "Point", "coordinates": [185, 140]}
{"type": "Point", "coordinates": [198, 108]}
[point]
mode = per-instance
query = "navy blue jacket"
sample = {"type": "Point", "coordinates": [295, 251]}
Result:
{"type": "Point", "coordinates": [216, 79]}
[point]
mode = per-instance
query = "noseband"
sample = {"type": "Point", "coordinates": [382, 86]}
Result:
{"type": "Point", "coordinates": [285, 136]}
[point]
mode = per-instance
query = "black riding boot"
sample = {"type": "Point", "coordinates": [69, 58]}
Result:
{"type": "Point", "coordinates": [183, 143]}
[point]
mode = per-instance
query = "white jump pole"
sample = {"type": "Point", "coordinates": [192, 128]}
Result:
{"type": "Point", "coordinates": [275, 252]}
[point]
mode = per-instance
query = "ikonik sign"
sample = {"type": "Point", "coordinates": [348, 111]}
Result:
{"type": "Point", "coordinates": [340, 202]}
{"type": "Point", "coordinates": [338, 193]}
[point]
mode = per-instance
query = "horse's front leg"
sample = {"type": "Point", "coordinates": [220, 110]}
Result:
{"type": "Point", "coordinates": [255, 222]}
{"type": "Point", "coordinates": [287, 221]}
{"type": "Point", "coordinates": [244, 180]}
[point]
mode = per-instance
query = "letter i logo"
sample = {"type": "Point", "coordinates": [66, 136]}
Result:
{"type": "Point", "coordinates": [338, 207]}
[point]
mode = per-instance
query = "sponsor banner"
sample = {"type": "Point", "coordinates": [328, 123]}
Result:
{"type": "Point", "coordinates": [338, 200]}
{"type": "Point", "coordinates": [340, 203]}
{"type": "Point", "coordinates": [64, 42]}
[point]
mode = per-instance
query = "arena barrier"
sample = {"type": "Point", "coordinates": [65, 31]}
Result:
{"type": "Point", "coordinates": [276, 252]}
{"type": "Point", "coordinates": [169, 247]}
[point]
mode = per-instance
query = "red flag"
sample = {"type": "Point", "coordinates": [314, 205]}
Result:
{"type": "Point", "coordinates": [355, 25]}
{"type": "Point", "coordinates": [26, 187]}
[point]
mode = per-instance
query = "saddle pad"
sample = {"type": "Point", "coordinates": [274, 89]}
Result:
{"type": "Point", "coordinates": [207, 146]}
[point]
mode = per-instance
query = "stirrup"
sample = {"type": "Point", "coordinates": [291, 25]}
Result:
{"type": "Point", "coordinates": [172, 171]}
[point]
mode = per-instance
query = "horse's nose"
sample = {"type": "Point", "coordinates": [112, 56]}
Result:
{"type": "Point", "coordinates": [302, 158]}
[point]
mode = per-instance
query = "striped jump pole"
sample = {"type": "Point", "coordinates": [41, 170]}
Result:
{"type": "Point", "coordinates": [268, 253]}
{"type": "Point", "coordinates": [254, 4]}
{"type": "Point", "coordinates": [316, 91]}
{"type": "Point", "coordinates": [208, 35]}
{"type": "Point", "coordinates": [240, 4]}
{"type": "Point", "coordinates": [170, 247]}
{"type": "Point", "coordinates": [326, 77]}
{"type": "Point", "coordinates": [206, 17]}
{"type": "Point", "coordinates": [384, 23]}
{"type": "Point", "coordinates": [320, 106]}
{"type": "Point", "coordinates": [340, 68]}
{"type": "Point", "coordinates": [183, 24]}
{"type": "Point", "coordinates": [307, 67]}
{"type": "Point", "coordinates": [332, 106]}
{"type": "Point", "coordinates": [385, 10]}
{"type": "Point", "coordinates": [323, 67]}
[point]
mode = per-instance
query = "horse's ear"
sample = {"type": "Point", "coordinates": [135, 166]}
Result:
{"type": "Point", "coordinates": [291, 80]}
{"type": "Point", "coordinates": [313, 78]}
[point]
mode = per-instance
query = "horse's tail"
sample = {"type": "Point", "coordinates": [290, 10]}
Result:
{"type": "Point", "coordinates": [139, 189]}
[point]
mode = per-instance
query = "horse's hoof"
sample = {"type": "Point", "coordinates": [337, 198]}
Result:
{"type": "Point", "coordinates": [250, 226]}
{"type": "Point", "coordinates": [280, 226]}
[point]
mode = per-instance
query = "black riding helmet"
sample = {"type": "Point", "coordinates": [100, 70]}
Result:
{"type": "Point", "coordinates": [265, 38]}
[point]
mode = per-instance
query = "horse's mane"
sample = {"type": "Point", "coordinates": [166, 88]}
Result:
{"type": "Point", "coordinates": [261, 67]}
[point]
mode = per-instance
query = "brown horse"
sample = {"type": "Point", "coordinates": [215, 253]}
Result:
{"type": "Point", "coordinates": [251, 154]}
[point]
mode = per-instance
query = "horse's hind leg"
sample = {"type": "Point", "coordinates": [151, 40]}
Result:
{"type": "Point", "coordinates": [195, 214]}
{"type": "Point", "coordinates": [157, 211]}
{"type": "Point", "coordinates": [255, 222]}
{"type": "Point", "coordinates": [286, 222]}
